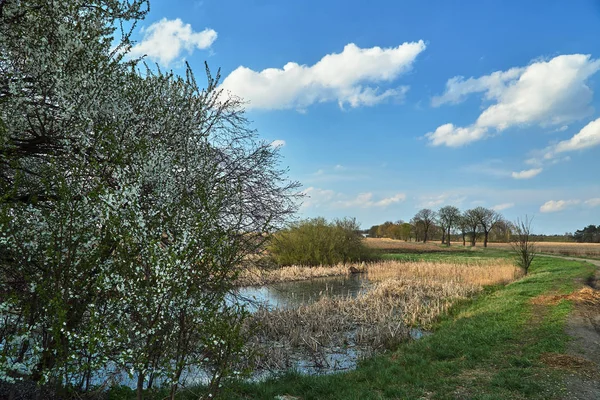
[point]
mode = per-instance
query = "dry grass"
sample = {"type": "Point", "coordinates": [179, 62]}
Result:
{"type": "Point", "coordinates": [586, 296]}
{"type": "Point", "coordinates": [477, 272]}
{"type": "Point", "coordinates": [403, 295]}
{"type": "Point", "coordinates": [567, 361]}
{"type": "Point", "coordinates": [480, 272]}
{"type": "Point", "coordinates": [560, 248]}
{"type": "Point", "coordinates": [260, 276]}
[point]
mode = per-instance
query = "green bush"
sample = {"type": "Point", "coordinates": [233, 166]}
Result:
{"type": "Point", "coordinates": [318, 242]}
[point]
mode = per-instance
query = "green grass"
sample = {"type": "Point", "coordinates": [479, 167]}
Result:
{"type": "Point", "coordinates": [486, 348]}
{"type": "Point", "coordinates": [452, 256]}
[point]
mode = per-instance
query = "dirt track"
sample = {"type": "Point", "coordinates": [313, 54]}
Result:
{"type": "Point", "coordinates": [583, 352]}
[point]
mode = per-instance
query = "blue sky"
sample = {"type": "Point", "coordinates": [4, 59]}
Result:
{"type": "Point", "coordinates": [381, 108]}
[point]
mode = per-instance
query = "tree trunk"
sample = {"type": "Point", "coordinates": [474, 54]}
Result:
{"type": "Point", "coordinates": [443, 236]}
{"type": "Point", "coordinates": [485, 239]}
{"type": "Point", "coordinates": [473, 237]}
{"type": "Point", "coordinates": [140, 387]}
{"type": "Point", "coordinates": [448, 237]}
{"type": "Point", "coordinates": [464, 239]}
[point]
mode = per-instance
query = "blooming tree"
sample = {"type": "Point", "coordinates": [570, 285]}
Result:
{"type": "Point", "coordinates": [128, 200]}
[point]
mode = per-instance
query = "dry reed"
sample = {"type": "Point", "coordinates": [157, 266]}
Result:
{"type": "Point", "coordinates": [479, 272]}
{"type": "Point", "coordinates": [260, 276]}
{"type": "Point", "coordinates": [403, 295]}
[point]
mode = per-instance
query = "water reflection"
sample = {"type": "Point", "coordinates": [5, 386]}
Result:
{"type": "Point", "coordinates": [294, 294]}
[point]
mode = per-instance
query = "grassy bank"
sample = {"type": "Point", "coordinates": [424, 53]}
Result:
{"type": "Point", "coordinates": [488, 348]}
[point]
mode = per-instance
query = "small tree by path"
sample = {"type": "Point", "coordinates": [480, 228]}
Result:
{"type": "Point", "coordinates": [522, 243]}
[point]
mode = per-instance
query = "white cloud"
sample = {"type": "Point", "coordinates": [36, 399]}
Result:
{"type": "Point", "coordinates": [316, 197]}
{"type": "Point", "coordinates": [457, 88]}
{"type": "Point", "coordinates": [165, 40]}
{"type": "Point", "coordinates": [454, 136]}
{"type": "Point", "coordinates": [527, 174]}
{"type": "Point", "coordinates": [278, 143]}
{"type": "Point", "coordinates": [339, 168]}
{"type": "Point", "coordinates": [397, 198]}
{"type": "Point", "coordinates": [595, 202]}
{"type": "Point", "coordinates": [343, 77]}
{"type": "Point", "coordinates": [588, 136]}
{"type": "Point", "coordinates": [550, 92]}
{"type": "Point", "coordinates": [365, 200]}
{"type": "Point", "coordinates": [503, 206]}
{"type": "Point", "coordinates": [559, 205]}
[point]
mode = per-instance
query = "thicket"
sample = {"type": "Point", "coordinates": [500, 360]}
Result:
{"type": "Point", "coordinates": [319, 242]}
{"type": "Point", "coordinates": [127, 199]}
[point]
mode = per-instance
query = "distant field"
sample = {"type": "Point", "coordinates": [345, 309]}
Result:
{"type": "Point", "coordinates": [400, 246]}
{"type": "Point", "coordinates": [559, 248]}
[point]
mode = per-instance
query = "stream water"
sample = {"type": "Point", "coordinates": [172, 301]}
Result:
{"type": "Point", "coordinates": [294, 294]}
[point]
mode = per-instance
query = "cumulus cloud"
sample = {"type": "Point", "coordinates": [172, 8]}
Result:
{"type": "Point", "coordinates": [278, 143]}
{"type": "Point", "coordinates": [454, 136]}
{"type": "Point", "coordinates": [458, 88]}
{"type": "Point", "coordinates": [595, 202]}
{"type": "Point", "coordinates": [316, 197]}
{"type": "Point", "coordinates": [587, 137]}
{"type": "Point", "coordinates": [347, 77]}
{"type": "Point", "coordinates": [559, 205]}
{"type": "Point", "coordinates": [551, 92]}
{"type": "Point", "coordinates": [503, 206]}
{"type": "Point", "coordinates": [526, 174]}
{"type": "Point", "coordinates": [165, 41]}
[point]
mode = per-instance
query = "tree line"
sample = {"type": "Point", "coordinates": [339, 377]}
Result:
{"type": "Point", "coordinates": [447, 224]}
{"type": "Point", "coordinates": [589, 234]}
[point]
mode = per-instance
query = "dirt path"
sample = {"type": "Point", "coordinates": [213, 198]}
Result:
{"type": "Point", "coordinates": [583, 325]}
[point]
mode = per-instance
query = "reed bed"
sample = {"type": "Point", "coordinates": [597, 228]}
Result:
{"type": "Point", "coordinates": [560, 248]}
{"type": "Point", "coordinates": [481, 272]}
{"type": "Point", "coordinates": [403, 295]}
{"type": "Point", "coordinates": [261, 276]}
{"type": "Point", "coordinates": [478, 271]}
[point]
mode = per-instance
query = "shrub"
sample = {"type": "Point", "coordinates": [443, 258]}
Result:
{"type": "Point", "coordinates": [318, 242]}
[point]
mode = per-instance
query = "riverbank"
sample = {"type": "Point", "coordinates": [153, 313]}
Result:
{"type": "Point", "coordinates": [502, 344]}
{"type": "Point", "coordinates": [495, 346]}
